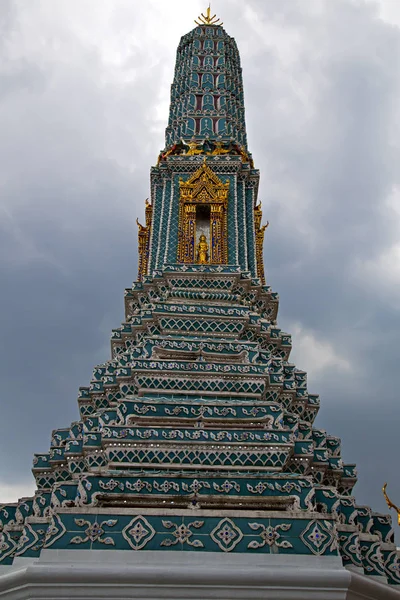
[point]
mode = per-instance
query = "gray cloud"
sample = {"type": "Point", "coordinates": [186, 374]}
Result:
{"type": "Point", "coordinates": [329, 165]}
{"type": "Point", "coordinates": [83, 102]}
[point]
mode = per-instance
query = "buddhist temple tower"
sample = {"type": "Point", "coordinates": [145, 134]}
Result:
{"type": "Point", "coordinates": [196, 468]}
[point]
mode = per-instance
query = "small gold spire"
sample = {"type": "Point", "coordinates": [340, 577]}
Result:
{"type": "Point", "coordinates": [144, 241]}
{"type": "Point", "coordinates": [207, 19]}
{"type": "Point", "coordinates": [390, 503]}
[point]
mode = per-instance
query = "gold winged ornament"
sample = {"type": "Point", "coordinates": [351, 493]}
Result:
{"type": "Point", "coordinates": [390, 503]}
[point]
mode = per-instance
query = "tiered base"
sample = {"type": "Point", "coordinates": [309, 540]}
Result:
{"type": "Point", "coordinates": [83, 574]}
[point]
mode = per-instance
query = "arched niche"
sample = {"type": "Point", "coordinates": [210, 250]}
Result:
{"type": "Point", "coordinates": [203, 209]}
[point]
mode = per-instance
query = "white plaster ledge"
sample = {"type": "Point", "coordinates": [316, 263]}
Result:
{"type": "Point", "coordinates": [153, 575]}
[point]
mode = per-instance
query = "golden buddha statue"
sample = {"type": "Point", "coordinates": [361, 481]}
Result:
{"type": "Point", "coordinates": [202, 250]}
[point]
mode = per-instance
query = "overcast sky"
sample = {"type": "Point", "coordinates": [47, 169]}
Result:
{"type": "Point", "coordinates": [84, 94]}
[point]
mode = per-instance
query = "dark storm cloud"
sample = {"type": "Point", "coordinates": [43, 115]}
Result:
{"type": "Point", "coordinates": [81, 115]}
{"type": "Point", "coordinates": [74, 174]}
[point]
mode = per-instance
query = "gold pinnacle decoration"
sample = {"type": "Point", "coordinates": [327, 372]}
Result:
{"type": "Point", "coordinates": [207, 19]}
{"type": "Point", "coordinates": [144, 241]}
{"type": "Point", "coordinates": [390, 503]}
{"type": "Point", "coordinates": [259, 233]}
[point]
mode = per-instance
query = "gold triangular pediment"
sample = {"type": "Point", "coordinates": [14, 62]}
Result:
{"type": "Point", "coordinates": [204, 185]}
{"type": "Point", "coordinates": [204, 173]}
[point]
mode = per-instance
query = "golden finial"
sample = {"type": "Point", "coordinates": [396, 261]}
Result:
{"type": "Point", "coordinates": [390, 503]}
{"type": "Point", "coordinates": [207, 19]}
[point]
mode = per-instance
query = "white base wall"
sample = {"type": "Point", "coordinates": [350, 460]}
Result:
{"type": "Point", "coordinates": [154, 575]}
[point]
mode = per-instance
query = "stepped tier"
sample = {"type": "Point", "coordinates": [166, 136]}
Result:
{"type": "Point", "coordinates": [198, 433]}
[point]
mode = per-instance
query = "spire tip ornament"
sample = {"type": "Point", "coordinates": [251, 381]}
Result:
{"type": "Point", "coordinates": [207, 19]}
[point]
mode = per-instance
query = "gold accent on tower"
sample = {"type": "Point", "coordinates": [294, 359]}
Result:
{"type": "Point", "coordinates": [203, 189]}
{"type": "Point", "coordinates": [390, 503]}
{"type": "Point", "coordinates": [207, 19]}
{"type": "Point", "coordinates": [144, 241]}
{"type": "Point", "coordinates": [259, 233]}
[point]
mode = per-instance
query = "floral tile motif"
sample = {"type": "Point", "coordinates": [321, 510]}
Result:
{"type": "Point", "coordinates": [94, 532]}
{"type": "Point", "coordinates": [138, 533]}
{"type": "Point", "coordinates": [392, 565]}
{"type": "Point", "coordinates": [226, 535]}
{"type": "Point", "coordinates": [317, 537]}
{"type": "Point", "coordinates": [350, 548]}
{"type": "Point", "coordinates": [55, 531]}
{"type": "Point", "coordinates": [6, 548]}
{"type": "Point", "coordinates": [270, 535]}
{"type": "Point", "coordinates": [372, 557]}
{"type": "Point", "coordinates": [182, 533]}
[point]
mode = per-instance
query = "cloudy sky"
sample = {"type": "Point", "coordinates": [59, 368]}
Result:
{"type": "Point", "coordinates": [84, 93]}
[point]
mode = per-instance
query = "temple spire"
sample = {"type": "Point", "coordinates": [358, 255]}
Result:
{"type": "Point", "coordinates": [207, 100]}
